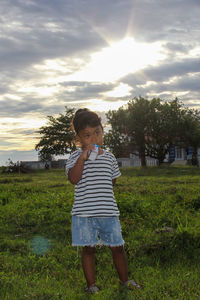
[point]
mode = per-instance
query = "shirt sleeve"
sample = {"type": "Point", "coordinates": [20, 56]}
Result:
{"type": "Point", "coordinates": [115, 170]}
{"type": "Point", "coordinates": [71, 161]}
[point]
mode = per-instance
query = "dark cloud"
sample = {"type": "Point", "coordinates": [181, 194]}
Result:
{"type": "Point", "coordinates": [33, 106]}
{"type": "Point", "coordinates": [42, 30]}
{"type": "Point", "coordinates": [85, 90]}
{"type": "Point", "coordinates": [178, 47]}
{"type": "Point", "coordinates": [176, 68]}
{"type": "Point", "coordinates": [187, 83]}
{"type": "Point", "coordinates": [15, 109]}
{"type": "Point", "coordinates": [168, 80]}
{"type": "Point", "coordinates": [89, 87]}
{"type": "Point", "coordinates": [164, 20]}
{"type": "Point", "coordinates": [164, 72]}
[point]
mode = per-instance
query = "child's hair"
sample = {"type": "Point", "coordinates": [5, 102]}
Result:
{"type": "Point", "coordinates": [83, 118]}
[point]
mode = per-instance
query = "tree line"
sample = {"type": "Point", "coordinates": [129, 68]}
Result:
{"type": "Point", "coordinates": [143, 127]}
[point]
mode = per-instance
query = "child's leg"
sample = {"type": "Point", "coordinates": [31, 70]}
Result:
{"type": "Point", "coordinates": [119, 259]}
{"type": "Point", "coordinates": [88, 263]}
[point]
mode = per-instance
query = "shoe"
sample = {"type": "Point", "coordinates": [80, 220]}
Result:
{"type": "Point", "coordinates": [93, 289]}
{"type": "Point", "coordinates": [131, 285]}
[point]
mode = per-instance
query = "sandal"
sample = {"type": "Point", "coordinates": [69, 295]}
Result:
{"type": "Point", "coordinates": [93, 289]}
{"type": "Point", "coordinates": [131, 284]}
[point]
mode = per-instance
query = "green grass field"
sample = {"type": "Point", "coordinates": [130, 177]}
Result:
{"type": "Point", "coordinates": [160, 218]}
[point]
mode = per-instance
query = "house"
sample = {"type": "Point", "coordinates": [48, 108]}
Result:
{"type": "Point", "coordinates": [58, 164]}
{"type": "Point", "coordinates": [180, 155]}
{"type": "Point", "coordinates": [177, 155]}
{"type": "Point", "coordinates": [34, 165]}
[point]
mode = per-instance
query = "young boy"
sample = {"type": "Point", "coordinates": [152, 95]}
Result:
{"type": "Point", "coordinates": [95, 215]}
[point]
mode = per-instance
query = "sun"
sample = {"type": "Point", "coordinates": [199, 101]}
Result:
{"type": "Point", "coordinates": [119, 59]}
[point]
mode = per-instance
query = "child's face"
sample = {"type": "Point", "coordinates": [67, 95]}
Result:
{"type": "Point", "coordinates": [91, 135]}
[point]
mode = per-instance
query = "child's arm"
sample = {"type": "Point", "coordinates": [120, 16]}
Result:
{"type": "Point", "coordinates": [75, 173]}
{"type": "Point", "coordinates": [113, 181]}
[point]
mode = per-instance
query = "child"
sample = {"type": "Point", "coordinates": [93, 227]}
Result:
{"type": "Point", "coordinates": [95, 215]}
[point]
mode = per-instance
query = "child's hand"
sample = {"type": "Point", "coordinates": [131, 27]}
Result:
{"type": "Point", "coordinates": [85, 153]}
{"type": "Point", "coordinates": [75, 173]}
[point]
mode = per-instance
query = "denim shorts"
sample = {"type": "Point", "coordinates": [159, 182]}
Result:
{"type": "Point", "coordinates": [93, 231]}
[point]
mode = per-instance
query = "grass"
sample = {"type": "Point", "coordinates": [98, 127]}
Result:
{"type": "Point", "coordinates": [160, 218]}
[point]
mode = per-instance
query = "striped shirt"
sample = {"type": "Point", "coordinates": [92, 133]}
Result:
{"type": "Point", "coordinates": [94, 192]}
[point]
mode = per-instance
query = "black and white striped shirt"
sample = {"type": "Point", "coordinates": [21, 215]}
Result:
{"type": "Point", "coordinates": [94, 192]}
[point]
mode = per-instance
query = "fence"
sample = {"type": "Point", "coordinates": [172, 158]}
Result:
{"type": "Point", "coordinates": [136, 162]}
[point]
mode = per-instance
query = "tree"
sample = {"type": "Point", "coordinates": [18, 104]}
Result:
{"type": "Point", "coordinates": [164, 127]}
{"type": "Point", "coordinates": [17, 167]}
{"type": "Point", "coordinates": [57, 136]}
{"type": "Point", "coordinates": [116, 143]}
{"type": "Point", "coordinates": [190, 132]}
{"type": "Point", "coordinates": [45, 156]}
{"type": "Point", "coordinates": [138, 118]}
{"type": "Point", "coordinates": [129, 125]}
{"type": "Point", "coordinates": [117, 139]}
{"type": "Point", "coordinates": [151, 127]}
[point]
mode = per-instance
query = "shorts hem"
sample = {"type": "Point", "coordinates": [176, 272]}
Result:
{"type": "Point", "coordinates": [98, 244]}
{"type": "Point", "coordinates": [95, 216]}
{"type": "Point", "coordinates": [116, 245]}
{"type": "Point", "coordinates": [85, 245]}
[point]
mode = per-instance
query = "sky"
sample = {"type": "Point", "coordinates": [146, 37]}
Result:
{"type": "Point", "coordinates": [97, 54]}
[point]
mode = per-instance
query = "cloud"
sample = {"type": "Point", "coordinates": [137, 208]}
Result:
{"type": "Point", "coordinates": [174, 68]}
{"type": "Point", "coordinates": [86, 90]}
{"type": "Point", "coordinates": [41, 30]}
{"type": "Point", "coordinates": [42, 43]}
{"type": "Point", "coordinates": [171, 76]}
{"type": "Point", "coordinates": [178, 47]}
{"type": "Point", "coordinates": [164, 20]}
{"type": "Point", "coordinates": [15, 109]}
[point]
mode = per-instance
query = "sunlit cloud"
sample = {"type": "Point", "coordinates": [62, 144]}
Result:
{"type": "Point", "coordinates": [120, 91]}
{"type": "Point", "coordinates": [121, 58]}
{"type": "Point", "coordinates": [19, 133]}
{"type": "Point", "coordinates": [100, 105]}
{"type": "Point", "coordinates": [195, 52]}
{"type": "Point", "coordinates": [9, 97]}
